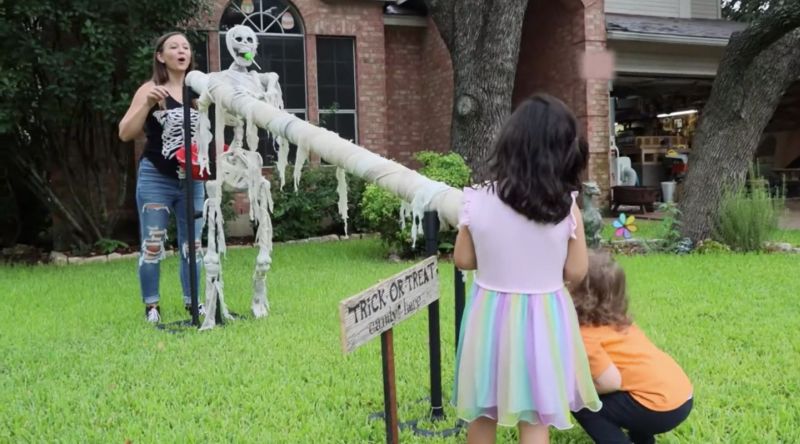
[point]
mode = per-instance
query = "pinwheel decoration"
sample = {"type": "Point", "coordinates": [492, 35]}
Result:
{"type": "Point", "coordinates": [625, 225]}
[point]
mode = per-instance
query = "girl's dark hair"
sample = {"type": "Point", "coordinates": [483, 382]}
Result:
{"type": "Point", "coordinates": [538, 159]}
{"type": "Point", "coordinates": [601, 297]}
{"type": "Point", "coordinates": [160, 74]}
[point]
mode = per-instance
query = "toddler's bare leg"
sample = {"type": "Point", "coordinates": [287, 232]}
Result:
{"type": "Point", "coordinates": [533, 434]}
{"type": "Point", "coordinates": [482, 431]}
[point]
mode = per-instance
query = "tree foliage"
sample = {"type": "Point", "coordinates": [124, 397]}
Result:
{"type": "Point", "coordinates": [68, 69]}
{"type": "Point", "coordinates": [748, 10]}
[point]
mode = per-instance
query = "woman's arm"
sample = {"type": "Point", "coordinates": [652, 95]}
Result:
{"type": "Point", "coordinates": [146, 96]}
{"type": "Point", "coordinates": [609, 381]}
{"type": "Point", "coordinates": [577, 257]}
{"type": "Point", "coordinates": [464, 252]}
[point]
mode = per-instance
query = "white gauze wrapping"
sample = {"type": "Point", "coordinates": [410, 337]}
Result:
{"type": "Point", "coordinates": [405, 213]}
{"type": "Point", "coordinates": [300, 160]}
{"type": "Point", "coordinates": [409, 185]}
{"type": "Point", "coordinates": [219, 130]}
{"type": "Point", "coordinates": [341, 188]}
{"type": "Point", "coordinates": [422, 203]}
{"type": "Point", "coordinates": [264, 232]}
{"type": "Point", "coordinates": [283, 159]}
{"type": "Point", "coordinates": [252, 131]}
{"type": "Point", "coordinates": [254, 179]}
{"type": "Point", "coordinates": [213, 219]}
{"type": "Point", "coordinates": [204, 133]}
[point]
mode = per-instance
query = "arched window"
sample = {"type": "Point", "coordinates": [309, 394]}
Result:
{"type": "Point", "coordinates": [281, 49]}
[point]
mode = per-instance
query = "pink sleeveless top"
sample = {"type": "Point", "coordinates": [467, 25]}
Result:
{"type": "Point", "coordinates": [515, 254]}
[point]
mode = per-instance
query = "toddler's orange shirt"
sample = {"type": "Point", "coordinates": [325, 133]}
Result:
{"type": "Point", "coordinates": [651, 376]}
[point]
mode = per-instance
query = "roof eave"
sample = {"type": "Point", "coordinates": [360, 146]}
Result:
{"type": "Point", "coordinates": [628, 36]}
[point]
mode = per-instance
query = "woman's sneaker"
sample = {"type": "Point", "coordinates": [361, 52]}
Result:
{"type": "Point", "coordinates": [152, 313]}
{"type": "Point", "coordinates": [201, 310]}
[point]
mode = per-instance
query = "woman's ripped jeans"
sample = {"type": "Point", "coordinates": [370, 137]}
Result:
{"type": "Point", "coordinates": [157, 197]}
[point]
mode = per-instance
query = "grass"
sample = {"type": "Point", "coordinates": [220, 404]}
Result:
{"type": "Point", "coordinates": [80, 364]}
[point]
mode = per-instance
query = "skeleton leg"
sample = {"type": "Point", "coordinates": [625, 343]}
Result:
{"type": "Point", "coordinates": [214, 291]}
{"type": "Point", "coordinates": [212, 215]}
{"type": "Point", "coordinates": [264, 241]}
{"type": "Point", "coordinates": [260, 302]}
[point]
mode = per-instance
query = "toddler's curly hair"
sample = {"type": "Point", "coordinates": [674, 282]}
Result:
{"type": "Point", "coordinates": [601, 297]}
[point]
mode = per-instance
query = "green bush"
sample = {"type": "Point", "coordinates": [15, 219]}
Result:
{"type": "Point", "coordinates": [108, 246]}
{"type": "Point", "coordinates": [381, 209]}
{"type": "Point", "coordinates": [313, 210]}
{"type": "Point", "coordinates": [711, 247]}
{"type": "Point", "coordinates": [748, 216]}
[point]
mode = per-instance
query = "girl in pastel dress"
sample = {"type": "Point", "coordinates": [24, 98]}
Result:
{"type": "Point", "coordinates": [521, 361]}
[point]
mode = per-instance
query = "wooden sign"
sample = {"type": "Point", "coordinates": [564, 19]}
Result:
{"type": "Point", "coordinates": [374, 311]}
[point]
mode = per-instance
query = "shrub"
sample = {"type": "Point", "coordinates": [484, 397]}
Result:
{"type": "Point", "coordinates": [711, 246]}
{"type": "Point", "coordinates": [313, 209]}
{"type": "Point", "coordinates": [669, 231]}
{"type": "Point", "coordinates": [108, 246]}
{"type": "Point", "coordinates": [381, 209]}
{"type": "Point", "coordinates": [748, 216]}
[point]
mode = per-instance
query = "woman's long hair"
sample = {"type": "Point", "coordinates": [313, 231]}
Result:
{"type": "Point", "coordinates": [160, 74]}
{"type": "Point", "coordinates": [538, 159]}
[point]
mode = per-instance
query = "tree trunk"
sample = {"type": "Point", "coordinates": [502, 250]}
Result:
{"type": "Point", "coordinates": [483, 38]}
{"type": "Point", "coordinates": [756, 69]}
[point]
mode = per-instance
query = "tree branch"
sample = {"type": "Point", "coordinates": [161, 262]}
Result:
{"type": "Point", "coordinates": [745, 45]}
{"type": "Point", "coordinates": [38, 185]}
{"type": "Point", "coordinates": [443, 13]}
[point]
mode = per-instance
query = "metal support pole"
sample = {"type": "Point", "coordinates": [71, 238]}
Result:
{"type": "Point", "coordinates": [458, 283]}
{"type": "Point", "coordinates": [431, 226]}
{"type": "Point", "coordinates": [190, 216]}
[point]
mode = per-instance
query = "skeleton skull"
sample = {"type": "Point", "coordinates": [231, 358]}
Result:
{"type": "Point", "coordinates": [241, 40]}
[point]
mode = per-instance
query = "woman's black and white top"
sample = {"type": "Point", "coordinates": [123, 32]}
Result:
{"type": "Point", "coordinates": [164, 131]}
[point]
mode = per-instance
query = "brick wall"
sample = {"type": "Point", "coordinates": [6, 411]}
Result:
{"type": "Point", "coordinates": [555, 35]}
{"type": "Point", "coordinates": [404, 107]}
{"type": "Point", "coordinates": [404, 76]}
{"type": "Point", "coordinates": [437, 92]}
{"type": "Point", "coordinates": [346, 18]}
{"type": "Point", "coordinates": [419, 88]}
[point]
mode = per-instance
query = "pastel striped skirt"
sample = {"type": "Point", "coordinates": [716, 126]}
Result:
{"type": "Point", "coordinates": [521, 358]}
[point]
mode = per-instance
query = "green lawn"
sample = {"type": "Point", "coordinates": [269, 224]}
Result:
{"type": "Point", "coordinates": [79, 364]}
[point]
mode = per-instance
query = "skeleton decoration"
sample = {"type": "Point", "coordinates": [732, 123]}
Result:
{"type": "Point", "coordinates": [238, 168]}
{"type": "Point", "coordinates": [247, 100]}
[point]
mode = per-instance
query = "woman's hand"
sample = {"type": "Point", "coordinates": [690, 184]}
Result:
{"type": "Point", "coordinates": [156, 94]}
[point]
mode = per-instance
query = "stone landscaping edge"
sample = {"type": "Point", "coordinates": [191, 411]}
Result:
{"type": "Point", "coordinates": [61, 259]}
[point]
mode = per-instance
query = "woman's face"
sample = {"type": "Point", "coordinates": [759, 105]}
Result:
{"type": "Point", "coordinates": [176, 53]}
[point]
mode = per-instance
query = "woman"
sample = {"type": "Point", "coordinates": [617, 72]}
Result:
{"type": "Point", "coordinates": [157, 111]}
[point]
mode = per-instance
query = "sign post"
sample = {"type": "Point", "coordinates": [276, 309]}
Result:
{"type": "Point", "coordinates": [389, 389]}
{"type": "Point", "coordinates": [377, 310]}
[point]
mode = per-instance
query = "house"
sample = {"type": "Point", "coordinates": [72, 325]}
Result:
{"type": "Point", "coordinates": [379, 73]}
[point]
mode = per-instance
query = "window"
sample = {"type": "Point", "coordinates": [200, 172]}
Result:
{"type": "Point", "coordinates": [199, 43]}
{"type": "Point", "coordinates": [281, 49]}
{"type": "Point", "coordinates": [336, 83]}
